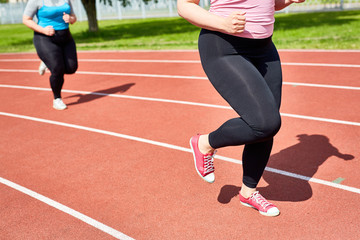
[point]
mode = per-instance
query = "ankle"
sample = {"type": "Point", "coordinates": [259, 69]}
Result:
{"type": "Point", "coordinates": [246, 192]}
{"type": "Point", "coordinates": [204, 145]}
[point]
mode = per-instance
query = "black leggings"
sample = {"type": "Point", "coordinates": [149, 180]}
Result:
{"type": "Point", "coordinates": [58, 52]}
{"type": "Point", "coordinates": [247, 74]}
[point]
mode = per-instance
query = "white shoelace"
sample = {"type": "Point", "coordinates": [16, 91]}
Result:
{"type": "Point", "coordinates": [260, 200]}
{"type": "Point", "coordinates": [209, 163]}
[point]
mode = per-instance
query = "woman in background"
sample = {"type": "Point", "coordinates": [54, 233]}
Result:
{"type": "Point", "coordinates": [53, 41]}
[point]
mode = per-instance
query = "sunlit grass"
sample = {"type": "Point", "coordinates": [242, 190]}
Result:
{"type": "Point", "coordinates": [319, 30]}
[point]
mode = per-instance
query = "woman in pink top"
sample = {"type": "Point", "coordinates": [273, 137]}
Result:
{"type": "Point", "coordinates": [242, 63]}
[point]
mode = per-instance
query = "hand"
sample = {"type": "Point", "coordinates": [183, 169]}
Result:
{"type": "Point", "coordinates": [48, 31]}
{"type": "Point", "coordinates": [66, 18]}
{"type": "Point", "coordinates": [235, 22]}
{"type": "Point", "coordinates": [297, 1]}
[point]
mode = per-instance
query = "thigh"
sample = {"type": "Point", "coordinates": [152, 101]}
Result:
{"type": "Point", "coordinates": [237, 80]}
{"type": "Point", "coordinates": [70, 56]}
{"type": "Point", "coordinates": [270, 68]}
{"type": "Point", "coordinates": [49, 52]}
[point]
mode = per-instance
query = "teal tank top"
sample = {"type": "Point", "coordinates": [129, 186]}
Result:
{"type": "Point", "coordinates": [53, 16]}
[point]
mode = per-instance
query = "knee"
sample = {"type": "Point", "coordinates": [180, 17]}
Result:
{"type": "Point", "coordinates": [270, 126]}
{"type": "Point", "coordinates": [72, 68]}
{"type": "Point", "coordinates": [57, 72]}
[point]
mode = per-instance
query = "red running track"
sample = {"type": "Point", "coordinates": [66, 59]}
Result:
{"type": "Point", "coordinates": [116, 163]}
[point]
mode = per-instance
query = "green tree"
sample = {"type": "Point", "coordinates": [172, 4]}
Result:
{"type": "Point", "coordinates": [90, 9]}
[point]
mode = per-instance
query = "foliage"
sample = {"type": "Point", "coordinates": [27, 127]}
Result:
{"type": "Point", "coordinates": [124, 3]}
{"type": "Point", "coordinates": [90, 9]}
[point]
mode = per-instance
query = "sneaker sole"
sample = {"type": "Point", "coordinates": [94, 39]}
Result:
{"type": "Point", "coordinates": [193, 152]}
{"type": "Point", "coordinates": [59, 108]}
{"type": "Point", "coordinates": [262, 213]}
{"type": "Point", "coordinates": [42, 72]}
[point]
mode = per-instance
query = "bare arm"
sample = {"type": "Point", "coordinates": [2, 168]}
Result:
{"type": "Point", "coordinates": [281, 4]}
{"type": "Point", "coordinates": [29, 22]}
{"type": "Point", "coordinates": [196, 15]}
{"type": "Point", "coordinates": [49, 30]}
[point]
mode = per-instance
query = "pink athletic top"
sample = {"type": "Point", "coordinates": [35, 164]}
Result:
{"type": "Point", "coordinates": [259, 15]}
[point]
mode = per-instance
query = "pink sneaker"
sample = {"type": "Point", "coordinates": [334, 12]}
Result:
{"type": "Point", "coordinates": [260, 203]}
{"type": "Point", "coordinates": [204, 164]}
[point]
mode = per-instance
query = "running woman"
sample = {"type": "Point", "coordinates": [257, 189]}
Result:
{"type": "Point", "coordinates": [242, 63]}
{"type": "Point", "coordinates": [53, 41]}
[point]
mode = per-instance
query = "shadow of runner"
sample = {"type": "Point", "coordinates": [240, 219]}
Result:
{"type": "Point", "coordinates": [83, 98]}
{"type": "Point", "coordinates": [303, 158]}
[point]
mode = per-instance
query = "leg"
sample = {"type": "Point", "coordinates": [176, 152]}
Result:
{"type": "Point", "coordinates": [70, 57]}
{"type": "Point", "coordinates": [255, 161]}
{"type": "Point", "coordinates": [244, 88]}
{"type": "Point", "coordinates": [241, 84]}
{"type": "Point", "coordinates": [255, 158]}
{"type": "Point", "coordinates": [247, 74]}
{"type": "Point", "coordinates": [51, 54]}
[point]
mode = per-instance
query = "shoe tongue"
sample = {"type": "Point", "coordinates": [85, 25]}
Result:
{"type": "Point", "coordinates": [211, 154]}
{"type": "Point", "coordinates": [255, 194]}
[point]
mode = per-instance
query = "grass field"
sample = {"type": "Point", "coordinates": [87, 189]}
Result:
{"type": "Point", "coordinates": [320, 30]}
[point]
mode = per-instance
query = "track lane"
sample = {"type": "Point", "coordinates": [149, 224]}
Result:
{"type": "Point", "coordinates": [156, 206]}
{"type": "Point", "coordinates": [296, 99]}
{"type": "Point", "coordinates": [142, 118]}
{"type": "Point", "coordinates": [99, 182]}
{"type": "Point", "coordinates": [29, 218]}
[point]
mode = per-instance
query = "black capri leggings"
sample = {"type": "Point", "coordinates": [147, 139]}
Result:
{"type": "Point", "coordinates": [58, 52]}
{"type": "Point", "coordinates": [247, 74]}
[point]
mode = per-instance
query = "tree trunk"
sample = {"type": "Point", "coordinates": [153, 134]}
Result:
{"type": "Point", "coordinates": [90, 8]}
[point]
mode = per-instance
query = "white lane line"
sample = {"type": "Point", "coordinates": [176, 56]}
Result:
{"type": "Point", "coordinates": [171, 146]}
{"type": "Point", "coordinates": [196, 51]}
{"type": "Point", "coordinates": [65, 209]}
{"type": "Point", "coordinates": [182, 77]}
{"type": "Point", "coordinates": [181, 102]}
{"type": "Point", "coordinates": [111, 60]}
{"type": "Point", "coordinates": [321, 50]}
{"type": "Point", "coordinates": [322, 65]}
{"type": "Point", "coordinates": [193, 51]}
{"type": "Point", "coordinates": [314, 180]}
{"type": "Point", "coordinates": [321, 85]}
{"type": "Point", "coordinates": [19, 70]}
{"type": "Point", "coordinates": [138, 75]}
{"type": "Point", "coordinates": [321, 119]}
{"type": "Point", "coordinates": [185, 61]}
{"type": "Point", "coordinates": [112, 74]}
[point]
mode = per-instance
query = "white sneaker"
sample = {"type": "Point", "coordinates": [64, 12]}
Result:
{"type": "Point", "coordinates": [42, 68]}
{"type": "Point", "coordinates": [58, 104]}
